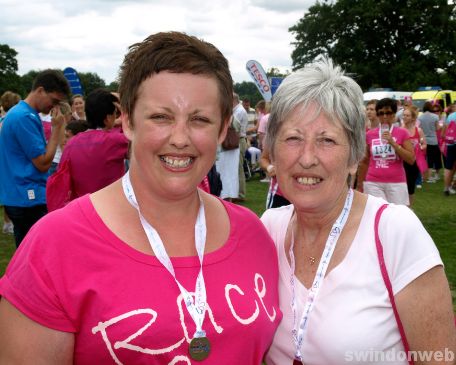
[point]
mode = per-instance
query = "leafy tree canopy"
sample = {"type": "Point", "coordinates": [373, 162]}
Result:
{"type": "Point", "coordinates": [400, 44]}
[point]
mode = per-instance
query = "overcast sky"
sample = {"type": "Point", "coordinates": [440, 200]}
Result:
{"type": "Point", "coordinates": [93, 35]}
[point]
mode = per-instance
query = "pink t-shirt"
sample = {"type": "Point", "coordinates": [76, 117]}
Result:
{"type": "Point", "coordinates": [97, 159]}
{"type": "Point", "coordinates": [71, 273]}
{"type": "Point", "coordinates": [262, 125]}
{"type": "Point", "coordinates": [47, 127]}
{"type": "Point", "coordinates": [385, 166]}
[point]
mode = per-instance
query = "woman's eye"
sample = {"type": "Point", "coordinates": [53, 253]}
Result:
{"type": "Point", "coordinates": [198, 118]}
{"type": "Point", "coordinates": [292, 139]}
{"type": "Point", "coordinates": [326, 141]}
{"type": "Point", "coordinates": [159, 117]}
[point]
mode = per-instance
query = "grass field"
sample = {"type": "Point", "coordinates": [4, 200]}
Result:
{"type": "Point", "coordinates": [437, 212]}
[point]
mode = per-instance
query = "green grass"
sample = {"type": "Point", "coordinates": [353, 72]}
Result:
{"type": "Point", "coordinates": [436, 211]}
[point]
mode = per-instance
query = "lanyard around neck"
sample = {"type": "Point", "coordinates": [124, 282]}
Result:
{"type": "Point", "coordinates": [334, 234]}
{"type": "Point", "coordinates": [196, 308]}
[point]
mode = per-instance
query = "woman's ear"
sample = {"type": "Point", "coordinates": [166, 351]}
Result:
{"type": "Point", "coordinates": [224, 129]}
{"type": "Point", "coordinates": [353, 169]}
{"type": "Point", "coordinates": [126, 126]}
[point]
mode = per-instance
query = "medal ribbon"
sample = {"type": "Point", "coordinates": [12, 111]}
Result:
{"type": "Point", "coordinates": [196, 308]}
{"type": "Point", "coordinates": [336, 230]}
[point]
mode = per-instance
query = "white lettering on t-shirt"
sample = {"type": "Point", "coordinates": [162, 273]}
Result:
{"type": "Point", "coordinates": [261, 294]}
{"type": "Point", "coordinates": [246, 321]}
{"type": "Point", "coordinates": [101, 327]}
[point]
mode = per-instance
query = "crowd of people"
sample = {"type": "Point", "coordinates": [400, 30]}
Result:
{"type": "Point", "coordinates": [139, 262]}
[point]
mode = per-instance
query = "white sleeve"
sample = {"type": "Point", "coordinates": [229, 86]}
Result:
{"type": "Point", "coordinates": [408, 249]}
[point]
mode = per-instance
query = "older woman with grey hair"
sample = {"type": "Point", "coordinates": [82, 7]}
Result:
{"type": "Point", "coordinates": [351, 284]}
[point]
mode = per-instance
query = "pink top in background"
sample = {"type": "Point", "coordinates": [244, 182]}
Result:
{"type": "Point", "coordinates": [97, 159]}
{"type": "Point", "coordinates": [388, 169]}
{"type": "Point", "coordinates": [262, 125]}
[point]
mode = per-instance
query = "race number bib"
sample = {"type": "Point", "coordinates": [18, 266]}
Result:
{"type": "Point", "coordinates": [382, 151]}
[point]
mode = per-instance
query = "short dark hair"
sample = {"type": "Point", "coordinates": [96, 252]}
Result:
{"type": "Point", "coordinates": [52, 81]}
{"type": "Point", "coordinates": [77, 126]}
{"type": "Point", "coordinates": [427, 106]}
{"type": "Point", "coordinates": [178, 53]}
{"type": "Point", "coordinates": [385, 103]}
{"type": "Point", "coordinates": [98, 105]}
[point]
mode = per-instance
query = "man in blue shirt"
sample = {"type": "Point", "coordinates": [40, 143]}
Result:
{"type": "Point", "coordinates": [24, 156]}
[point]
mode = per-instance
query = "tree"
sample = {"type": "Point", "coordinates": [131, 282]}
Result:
{"type": "Point", "coordinates": [248, 89]}
{"type": "Point", "coordinates": [113, 86]}
{"type": "Point", "coordinates": [400, 44]}
{"type": "Point", "coordinates": [9, 79]}
{"type": "Point", "coordinates": [91, 81]}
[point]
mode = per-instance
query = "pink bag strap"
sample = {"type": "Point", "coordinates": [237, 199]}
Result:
{"type": "Point", "coordinates": [387, 281]}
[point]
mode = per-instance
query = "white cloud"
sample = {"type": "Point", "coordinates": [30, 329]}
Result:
{"type": "Point", "coordinates": [93, 36]}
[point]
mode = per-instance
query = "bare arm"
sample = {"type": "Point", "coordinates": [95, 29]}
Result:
{"type": "Point", "coordinates": [25, 342]}
{"type": "Point", "coordinates": [426, 312]}
{"type": "Point", "coordinates": [44, 161]}
{"type": "Point", "coordinates": [423, 143]}
{"type": "Point", "coordinates": [265, 163]}
{"type": "Point", "coordinates": [405, 152]}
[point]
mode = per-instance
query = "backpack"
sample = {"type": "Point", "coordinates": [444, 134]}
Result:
{"type": "Point", "coordinates": [215, 182]}
{"type": "Point", "coordinates": [59, 188]}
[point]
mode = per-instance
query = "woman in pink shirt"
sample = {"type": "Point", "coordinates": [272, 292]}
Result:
{"type": "Point", "coordinates": [387, 147]}
{"type": "Point", "coordinates": [97, 156]}
{"type": "Point", "coordinates": [150, 269]}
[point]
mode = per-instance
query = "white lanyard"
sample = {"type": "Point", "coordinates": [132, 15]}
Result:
{"type": "Point", "coordinates": [336, 230]}
{"type": "Point", "coordinates": [196, 308]}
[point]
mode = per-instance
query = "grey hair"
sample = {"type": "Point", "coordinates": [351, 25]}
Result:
{"type": "Point", "coordinates": [334, 93]}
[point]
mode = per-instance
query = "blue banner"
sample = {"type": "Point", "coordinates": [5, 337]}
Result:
{"type": "Point", "coordinates": [275, 83]}
{"type": "Point", "coordinates": [73, 79]}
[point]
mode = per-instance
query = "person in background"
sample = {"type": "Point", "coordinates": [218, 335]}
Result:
{"type": "Point", "coordinates": [332, 293]}
{"type": "Point", "coordinates": [429, 123]}
{"type": "Point", "coordinates": [97, 156]}
{"type": "Point", "coordinates": [227, 165]}
{"type": "Point", "coordinates": [149, 270]}
{"type": "Point", "coordinates": [263, 121]}
{"type": "Point", "coordinates": [78, 107]}
{"type": "Point", "coordinates": [25, 158]}
{"type": "Point", "coordinates": [7, 101]}
{"type": "Point", "coordinates": [387, 148]}
{"type": "Point", "coordinates": [407, 102]}
{"type": "Point", "coordinates": [65, 108]}
{"type": "Point", "coordinates": [371, 114]}
{"type": "Point", "coordinates": [275, 196]}
{"type": "Point", "coordinates": [241, 115]}
{"type": "Point", "coordinates": [419, 146]}
{"type": "Point", "coordinates": [253, 122]}
{"type": "Point", "coordinates": [73, 128]}
{"type": "Point", "coordinates": [449, 137]}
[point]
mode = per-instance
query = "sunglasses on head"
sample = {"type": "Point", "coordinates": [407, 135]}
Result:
{"type": "Point", "coordinates": [381, 114]}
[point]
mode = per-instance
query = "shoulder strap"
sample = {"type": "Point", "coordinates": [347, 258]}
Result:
{"type": "Point", "coordinates": [387, 281]}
